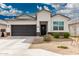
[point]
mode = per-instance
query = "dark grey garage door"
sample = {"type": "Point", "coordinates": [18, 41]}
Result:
{"type": "Point", "coordinates": [23, 30]}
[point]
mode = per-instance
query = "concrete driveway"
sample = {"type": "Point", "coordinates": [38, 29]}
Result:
{"type": "Point", "coordinates": [19, 46]}
{"type": "Point", "coordinates": [14, 45]}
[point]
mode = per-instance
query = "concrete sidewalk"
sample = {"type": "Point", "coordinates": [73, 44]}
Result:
{"type": "Point", "coordinates": [40, 52]}
{"type": "Point", "coordinates": [28, 52]}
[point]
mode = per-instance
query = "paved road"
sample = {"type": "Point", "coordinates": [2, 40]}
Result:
{"type": "Point", "coordinates": [20, 47]}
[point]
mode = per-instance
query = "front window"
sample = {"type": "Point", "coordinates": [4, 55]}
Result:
{"type": "Point", "coordinates": [58, 25]}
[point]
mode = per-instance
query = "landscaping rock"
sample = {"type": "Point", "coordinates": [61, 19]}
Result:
{"type": "Point", "coordinates": [38, 40]}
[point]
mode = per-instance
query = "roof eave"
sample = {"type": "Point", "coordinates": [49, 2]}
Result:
{"type": "Point", "coordinates": [61, 15]}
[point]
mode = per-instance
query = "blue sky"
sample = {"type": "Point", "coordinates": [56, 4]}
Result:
{"type": "Point", "coordinates": [23, 8]}
{"type": "Point", "coordinates": [10, 10]}
{"type": "Point", "coordinates": [31, 7]}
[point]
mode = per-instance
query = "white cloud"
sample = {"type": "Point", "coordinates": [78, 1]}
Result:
{"type": "Point", "coordinates": [69, 5]}
{"type": "Point", "coordinates": [56, 5]}
{"type": "Point", "coordinates": [64, 11]}
{"type": "Point", "coordinates": [11, 12]}
{"type": "Point", "coordinates": [46, 8]}
{"type": "Point", "coordinates": [10, 6]}
{"type": "Point", "coordinates": [27, 11]}
{"type": "Point", "coordinates": [39, 7]}
{"type": "Point", "coordinates": [3, 5]}
{"type": "Point", "coordinates": [71, 10]}
{"type": "Point", "coordinates": [4, 12]}
{"type": "Point", "coordinates": [75, 5]}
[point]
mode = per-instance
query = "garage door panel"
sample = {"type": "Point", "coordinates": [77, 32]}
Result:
{"type": "Point", "coordinates": [23, 30]}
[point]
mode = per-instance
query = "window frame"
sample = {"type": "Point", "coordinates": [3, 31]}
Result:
{"type": "Point", "coordinates": [59, 24]}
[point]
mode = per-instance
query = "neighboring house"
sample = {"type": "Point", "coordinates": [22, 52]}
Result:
{"type": "Point", "coordinates": [3, 26]}
{"type": "Point", "coordinates": [43, 23]}
{"type": "Point", "coordinates": [74, 27]}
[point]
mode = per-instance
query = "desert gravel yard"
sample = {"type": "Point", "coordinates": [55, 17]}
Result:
{"type": "Point", "coordinates": [73, 47]}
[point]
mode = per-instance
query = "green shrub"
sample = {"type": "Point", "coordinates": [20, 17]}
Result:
{"type": "Point", "coordinates": [56, 35]}
{"type": "Point", "coordinates": [63, 47]}
{"type": "Point", "coordinates": [66, 35]}
{"type": "Point", "coordinates": [47, 38]}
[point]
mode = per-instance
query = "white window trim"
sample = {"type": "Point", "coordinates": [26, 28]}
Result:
{"type": "Point", "coordinates": [57, 25]}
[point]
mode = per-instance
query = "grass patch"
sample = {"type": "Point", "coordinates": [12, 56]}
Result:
{"type": "Point", "coordinates": [63, 47]}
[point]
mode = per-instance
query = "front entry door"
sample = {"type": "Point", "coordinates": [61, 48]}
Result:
{"type": "Point", "coordinates": [43, 29]}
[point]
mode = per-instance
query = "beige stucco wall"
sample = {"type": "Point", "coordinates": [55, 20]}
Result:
{"type": "Point", "coordinates": [74, 29]}
{"type": "Point", "coordinates": [46, 16]}
{"type": "Point", "coordinates": [60, 18]}
{"type": "Point", "coordinates": [25, 17]}
{"type": "Point", "coordinates": [43, 16]}
{"type": "Point", "coordinates": [3, 26]}
{"type": "Point", "coordinates": [19, 22]}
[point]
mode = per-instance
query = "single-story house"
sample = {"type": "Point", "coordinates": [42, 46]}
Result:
{"type": "Point", "coordinates": [42, 23]}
